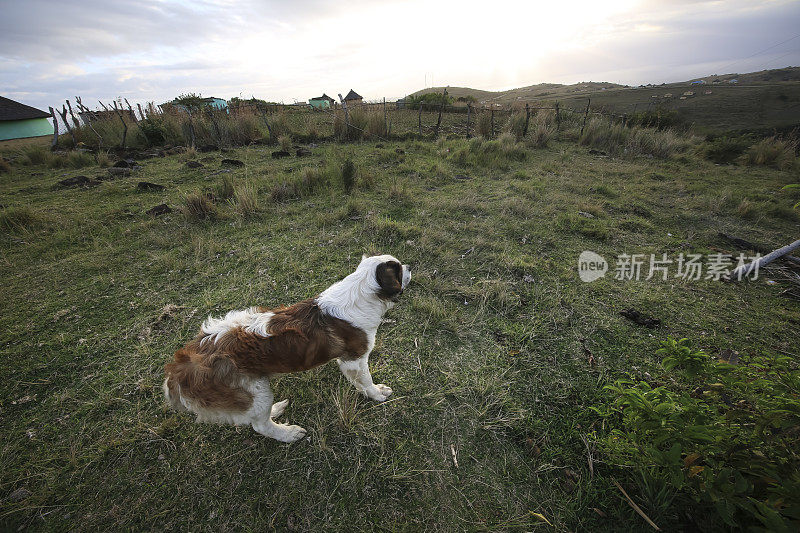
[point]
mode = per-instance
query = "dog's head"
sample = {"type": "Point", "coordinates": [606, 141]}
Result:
{"type": "Point", "coordinates": [391, 275]}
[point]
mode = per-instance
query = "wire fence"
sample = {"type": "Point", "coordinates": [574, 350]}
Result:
{"type": "Point", "coordinates": [122, 122]}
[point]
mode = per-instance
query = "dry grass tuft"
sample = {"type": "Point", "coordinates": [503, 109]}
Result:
{"type": "Point", "coordinates": [20, 219]}
{"type": "Point", "coordinates": [773, 152]}
{"type": "Point", "coordinates": [483, 125]}
{"type": "Point", "coordinates": [285, 142]}
{"type": "Point", "coordinates": [621, 140]}
{"type": "Point", "coordinates": [103, 160]}
{"type": "Point", "coordinates": [199, 206]}
{"type": "Point", "coordinates": [246, 196]}
{"type": "Point", "coordinates": [226, 188]}
{"type": "Point", "coordinates": [539, 135]}
{"type": "Point", "coordinates": [283, 191]}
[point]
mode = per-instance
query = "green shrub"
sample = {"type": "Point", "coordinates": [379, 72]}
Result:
{"type": "Point", "coordinates": [725, 149]}
{"type": "Point", "coordinates": [5, 166]}
{"type": "Point", "coordinates": [154, 130]}
{"type": "Point", "coordinates": [429, 101]}
{"type": "Point", "coordinates": [718, 444]}
{"type": "Point", "coordinates": [681, 355]}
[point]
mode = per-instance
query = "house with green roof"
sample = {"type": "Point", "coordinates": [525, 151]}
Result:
{"type": "Point", "coordinates": [18, 121]}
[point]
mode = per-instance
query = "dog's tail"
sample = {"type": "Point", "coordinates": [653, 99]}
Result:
{"type": "Point", "coordinates": [206, 384]}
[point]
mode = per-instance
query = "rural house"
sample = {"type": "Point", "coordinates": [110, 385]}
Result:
{"type": "Point", "coordinates": [322, 102]}
{"type": "Point", "coordinates": [353, 98]}
{"type": "Point", "coordinates": [211, 101]}
{"type": "Point", "coordinates": [18, 121]}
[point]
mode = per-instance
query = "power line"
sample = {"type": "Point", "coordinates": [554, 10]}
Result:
{"type": "Point", "coordinates": [722, 70]}
{"type": "Point", "coordinates": [784, 55]}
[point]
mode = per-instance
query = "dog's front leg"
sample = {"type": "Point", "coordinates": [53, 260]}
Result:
{"type": "Point", "coordinates": [357, 372]}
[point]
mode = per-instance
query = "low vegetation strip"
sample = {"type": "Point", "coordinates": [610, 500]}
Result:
{"type": "Point", "coordinates": [522, 396]}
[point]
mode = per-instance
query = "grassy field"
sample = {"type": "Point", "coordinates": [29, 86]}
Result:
{"type": "Point", "coordinates": [496, 353]}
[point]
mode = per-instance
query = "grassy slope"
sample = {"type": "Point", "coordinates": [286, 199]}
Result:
{"type": "Point", "coordinates": [766, 99]}
{"type": "Point", "coordinates": [479, 358]}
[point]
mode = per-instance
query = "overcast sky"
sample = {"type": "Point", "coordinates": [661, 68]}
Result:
{"type": "Point", "coordinates": [293, 50]}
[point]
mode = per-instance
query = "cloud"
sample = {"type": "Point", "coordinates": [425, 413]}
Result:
{"type": "Point", "coordinates": [154, 49]}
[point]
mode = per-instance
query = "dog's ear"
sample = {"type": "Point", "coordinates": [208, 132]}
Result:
{"type": "Point", "coordinates": [390, 278]}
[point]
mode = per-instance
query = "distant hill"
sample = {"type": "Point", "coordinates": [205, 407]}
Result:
{"type": "Point", "coordinates": [750, 101]}
{"type": "Point", "coordinates": [530, 93]}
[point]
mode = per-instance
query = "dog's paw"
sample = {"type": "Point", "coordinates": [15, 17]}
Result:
{"type": "Point", "coordinates": [278, 408]}
{"type": "Point", "coordinates": [291, 434]}
{"type": "Point", "coordinates": [381, 392]}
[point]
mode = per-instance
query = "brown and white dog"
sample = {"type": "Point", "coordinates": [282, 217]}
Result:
{"type": "Point", "coordinates": [222, 375]}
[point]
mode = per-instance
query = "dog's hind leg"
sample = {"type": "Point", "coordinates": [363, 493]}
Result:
{"type": "Point", "coordinates": [281, 432]}
{"type": "Point", "coordinates": [263, 410]}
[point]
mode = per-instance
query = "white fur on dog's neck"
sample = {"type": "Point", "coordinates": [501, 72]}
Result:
{"type": "Point", "coordinates": [355, 298]}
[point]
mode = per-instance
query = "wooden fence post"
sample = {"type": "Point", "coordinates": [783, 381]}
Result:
{"type": "Point", "coordinates": [88, 121]}
{"type": "Point", "coordinates": [124, 125]}
{"type": "Point", "coordinates": [585, 114]}
{"type": "Point", "coordinates": [85, 110]}
{"type": "Point", "coordinates": [527, 119]}
{"type": "Point", "coordinates": [419, 119]}
{"type": "Point", "coordinates": [441, 107]}
{"type": "Point", "coordinates": [264, 116]}
{"type": "Point", "coordinates": [141, 113]}
{"type": "Point", "coordinates": [130, 110]}
{"type": "Point", "coordinates": [75, 121]}
{"type": "Point", "coordinates": [55, 129]}
{"type": "Point", "coordinates": [63, 115]}
{"type": "Point", "coordinates": [346, 116]}
{"type": "Point", "coordinates": [385, 118]}
{"type": "Point", "coordinates": [558, 118]}
{"type": "Point", "coordinates": [469, 112]}
{"type": "Point", "coordinates": [191, 126]}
